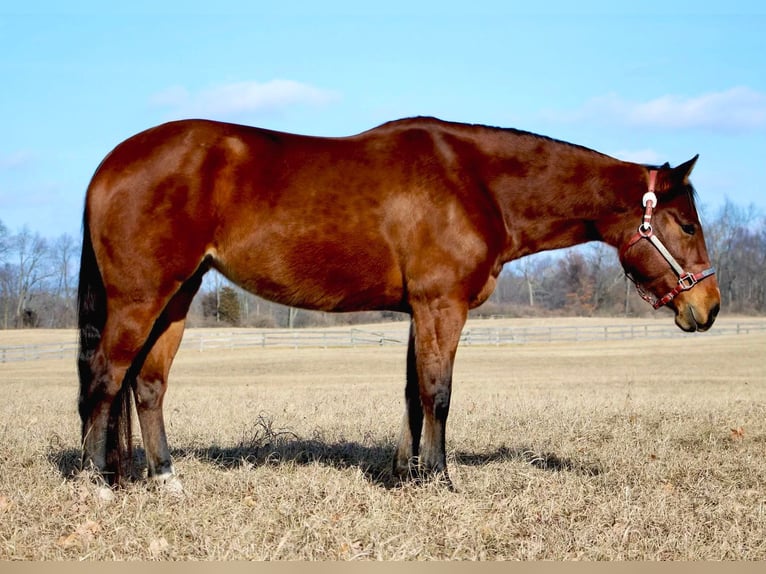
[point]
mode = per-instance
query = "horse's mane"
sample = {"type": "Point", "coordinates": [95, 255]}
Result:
{"type": "Point", "coordinates": [430, 120]}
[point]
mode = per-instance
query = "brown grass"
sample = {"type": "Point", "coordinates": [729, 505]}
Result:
{"type": "Point", "coordinates": [624, 450]}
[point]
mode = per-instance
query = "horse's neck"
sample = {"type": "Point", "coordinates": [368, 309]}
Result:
{"type": "Point", "coordinates": [565, 197]}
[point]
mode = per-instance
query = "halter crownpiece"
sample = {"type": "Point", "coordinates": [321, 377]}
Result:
{"type": "Point", "coordinates": [686, 280]}
{"type": "Point", "coordinates": [649, 196]}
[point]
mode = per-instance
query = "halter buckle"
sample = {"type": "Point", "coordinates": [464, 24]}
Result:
{"type": "Point", "coordinates": [687, 281]}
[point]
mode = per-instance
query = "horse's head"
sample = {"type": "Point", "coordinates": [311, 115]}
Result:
{"type": "Point", "coordinates": [666, 255]}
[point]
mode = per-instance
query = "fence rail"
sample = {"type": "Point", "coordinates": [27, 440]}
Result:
{"type": "Point", "coordinates": [37, 352]}
{"type": "Point", "coordinates": [205, 341]}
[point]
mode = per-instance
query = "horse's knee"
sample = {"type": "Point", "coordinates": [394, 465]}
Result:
{"type": "Point", "coordinates": [149, 393]}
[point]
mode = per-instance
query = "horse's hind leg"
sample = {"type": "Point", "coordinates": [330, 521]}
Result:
{"type": "Point", "coordinates": [104, 400]}
{"type": "Point", "coordinates": [152, 382]}
{"type": "Point", "coordinates": [405, 460]}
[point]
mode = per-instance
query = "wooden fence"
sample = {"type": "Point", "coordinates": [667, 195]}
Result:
{"type": "Point", "coordinates": [205, 341]}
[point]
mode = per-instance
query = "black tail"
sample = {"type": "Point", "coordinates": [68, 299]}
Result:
{"type": "Point", "coordinates": [91, 318]}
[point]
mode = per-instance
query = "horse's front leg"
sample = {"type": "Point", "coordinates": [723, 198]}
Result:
{"type": "Point", "coordinates": [436, 328]}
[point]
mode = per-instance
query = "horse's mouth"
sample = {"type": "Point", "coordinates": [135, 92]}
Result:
{"type": "Point", "coordinates": [690, 319]}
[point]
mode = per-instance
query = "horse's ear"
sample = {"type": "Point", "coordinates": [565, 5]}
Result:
{"type": "Point", "coordinates": [681, 173]}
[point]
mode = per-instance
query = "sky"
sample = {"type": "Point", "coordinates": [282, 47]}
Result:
{"type": "Point", "coordinates": [643, 81]}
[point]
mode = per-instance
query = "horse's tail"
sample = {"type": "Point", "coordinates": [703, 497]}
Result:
{"type": "Point", "coordinates": [91, 318]}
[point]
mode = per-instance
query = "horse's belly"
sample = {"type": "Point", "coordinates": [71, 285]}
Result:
{"type": "Point", "coordinates": [321, 275]}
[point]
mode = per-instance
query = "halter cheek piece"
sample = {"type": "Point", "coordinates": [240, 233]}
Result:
{"type": "Point", "coordinates": [686, 280]}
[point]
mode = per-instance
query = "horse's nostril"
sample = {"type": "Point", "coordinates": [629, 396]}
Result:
{"type": "Point", "coordinates": [714, 312]}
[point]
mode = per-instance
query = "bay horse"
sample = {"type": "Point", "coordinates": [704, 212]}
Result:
{"type": "Point", "coordinates": [416, 215]}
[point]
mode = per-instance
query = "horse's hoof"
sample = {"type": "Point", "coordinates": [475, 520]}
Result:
{"type": "Point", "coordinates": [105, 494]}
{"type": "Point", "coordinates": [406, 470]}
{"type": "Point", "coordinates": [443, 480]}
{"type": "Point", "coordinates": [169, 483]}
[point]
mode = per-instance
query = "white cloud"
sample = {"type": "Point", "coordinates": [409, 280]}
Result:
{"type": "Point", "coordinates": [232, 100]}
{"type": "Point", "coordinates": [737, 109]}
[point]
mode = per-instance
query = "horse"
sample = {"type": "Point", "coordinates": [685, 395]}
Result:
{"type": "Point", "coordinates": [417, 215]}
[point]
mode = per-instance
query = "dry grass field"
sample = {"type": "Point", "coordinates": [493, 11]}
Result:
{"type": "Point", "coordinates": [640, 450]}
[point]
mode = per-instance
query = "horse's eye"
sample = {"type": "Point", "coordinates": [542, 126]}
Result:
{"type": "Point", "coordinates": [689, 228]}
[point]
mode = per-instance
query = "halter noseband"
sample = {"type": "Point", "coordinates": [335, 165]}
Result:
{"type": "Point", "coordinates": [686, 280]}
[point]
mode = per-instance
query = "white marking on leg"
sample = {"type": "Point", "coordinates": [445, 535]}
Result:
{"type": "Point", "coordinates": [169, 482]}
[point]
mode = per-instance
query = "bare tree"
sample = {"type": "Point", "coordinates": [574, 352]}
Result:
{"type": "Point", "coordinates": [528, 272]}
{"type": "Point", "coordinates": [5, 275]}
{"type": "Point", "coordinates": [64, 259]}
{"type": "Point", "coordinates": [28, 271]}
{"type": "Point", "coordinates": [532, 271]}
{"type": "Point", "coordinates": [3, 241]}
{"type": "Point", "coordinates": [737, 251]}
{"type": "Point", "coordinates": [606, 273]}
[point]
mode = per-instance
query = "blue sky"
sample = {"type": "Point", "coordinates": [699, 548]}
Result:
{"type": "Point", "coordinates": [645, 81]}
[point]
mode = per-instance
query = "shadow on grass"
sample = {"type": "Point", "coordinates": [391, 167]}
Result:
{"type": "Point", "coordinates": [267, 445]}
{"type": "Point", "coordinates": [540, 460]}
{"type": "Point", "coordinates": [67, 460]}
{"type": "Point", "coordinates": [374, 460]}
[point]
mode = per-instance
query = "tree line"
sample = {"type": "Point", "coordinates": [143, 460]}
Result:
{"type": "Point", "coordinates": [38, 282]}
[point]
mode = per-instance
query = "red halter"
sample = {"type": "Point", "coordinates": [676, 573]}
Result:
{"type": "Point", "coordinates": [686, 280]}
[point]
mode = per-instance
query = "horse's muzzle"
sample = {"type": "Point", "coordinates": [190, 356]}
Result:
{"type": "Point", "coordinates": [692, 317]}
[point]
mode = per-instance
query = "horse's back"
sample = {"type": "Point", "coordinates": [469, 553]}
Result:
{"type": "Point", "coordinates": [326, 223]}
